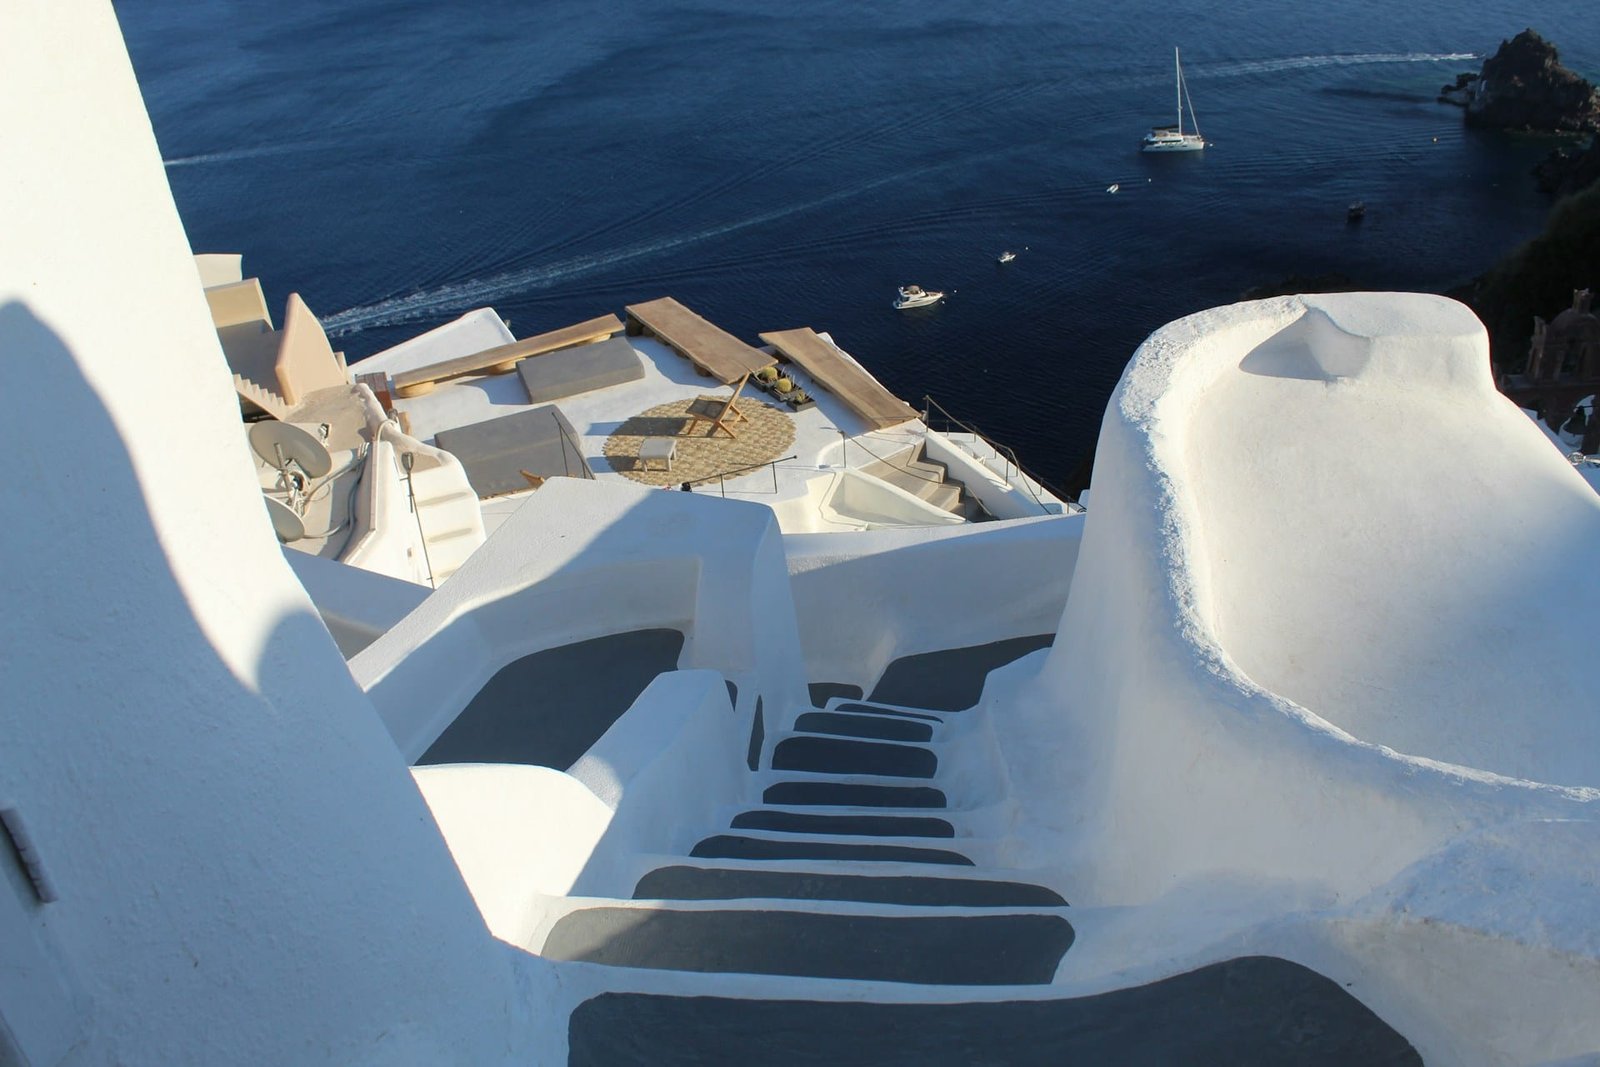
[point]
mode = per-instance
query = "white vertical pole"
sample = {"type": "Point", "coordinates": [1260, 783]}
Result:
{"type": "Point", "coordinates": [1177, 72]}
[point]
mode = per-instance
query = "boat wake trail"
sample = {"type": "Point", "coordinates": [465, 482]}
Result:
{"type": "Point", "coordinates": [232, 154]}
{"type": "Point", "coordinates": [1361, 59]}
{"type": "Point", "coordinates": [473, 292]}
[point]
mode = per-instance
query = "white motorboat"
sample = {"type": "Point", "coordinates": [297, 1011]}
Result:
{"type": "Point", "coordinates": [915, 296]}
{"type": "Point", "coordinates": [1006, 257]}
{"type": "Point", "coordinates": [1173, 138]}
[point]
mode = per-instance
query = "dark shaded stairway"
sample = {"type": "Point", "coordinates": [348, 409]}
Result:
{"type": "Point", "coordinates": [856, 867]}
{"type": "Point", "coordinates": [814, 841]}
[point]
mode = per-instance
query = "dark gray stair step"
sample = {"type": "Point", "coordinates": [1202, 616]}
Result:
{"type": "Point", "coordinates": [795, 822]}
{"type": "Point", "coordinates": [1253, 1010]}
{"type": "Point", "coordinates": [952, 679]}
{"type": "Point", "coordinates": [719, 883]}
{"type": "Point", "coordinates": [868, 709]}
{"type": "Point", "coordinates": [822, 692]}
{"type": "Point", "coordinates": [829, 755]}
{"type": "Point", "coordinates": [853, 795]}
{"type": "Point", "coordinates": [738, 847]}
{"type": "Point", "coordinates": [928, 949]}
{"type": "Point", "coordinates": [583, 688]}
{"type": "Point", "coordinates": [881, 727]}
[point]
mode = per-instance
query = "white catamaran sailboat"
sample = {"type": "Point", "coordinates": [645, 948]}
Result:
{"type": "Point", "coordinates": [1172, 138]}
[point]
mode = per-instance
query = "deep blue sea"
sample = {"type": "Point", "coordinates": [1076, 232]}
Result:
{"type": "Point", "coordinates": [784, 164]}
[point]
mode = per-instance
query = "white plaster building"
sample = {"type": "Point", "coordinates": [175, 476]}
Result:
{"type": "Point", "coordinates": [1310, 751]}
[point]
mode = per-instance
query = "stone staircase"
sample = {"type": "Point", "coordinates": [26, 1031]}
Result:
{"type": "Point", "coordinates": [837, 807]}
{"type": "Point", "coordinates": [1002, 466]}
{"type": "Point", "coordinates": [445, 509]}
{"type": "Point", "coordinates": [268, 400]}
{"type": "Point", "coordinates": [910, 469]}
{"type": "Point", "coordinates": [869, 859]}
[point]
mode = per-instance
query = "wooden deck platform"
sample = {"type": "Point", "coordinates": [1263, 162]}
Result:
{"type": "Point", "coordinates": [710, 348]}
{"type": "Point", "coordinates": [857, 389]}
{"type": "Point", "coordinates": [502, 359]}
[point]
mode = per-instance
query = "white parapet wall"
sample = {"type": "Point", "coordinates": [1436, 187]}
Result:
{"type": "Point", "coordinates": [1322, 555]}
{"type": "Point", "coordinates": [1020, 497]}
{"type": "Point", "coordinates": [357, 606]}
{"type": "Point", "coordinates": [868, 598]}
{"type": "Point", "coordinates": [583, 559]}
{"type": "Point", "coordinates": [669, 766]}
{"type": "Point", "coordinates": [667, 769]}
{"type": "Point", "coordinates": [517, 832]}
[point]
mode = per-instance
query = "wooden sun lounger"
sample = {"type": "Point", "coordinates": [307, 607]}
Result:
{"type": "Point", "coordinates": [860, 392]}
{"type": "Point", "coordinates": [710, 348]}
{"type": "Point", "coordinates": [713, 351]}
{"type": "Point", "coordinates": [503, 359]}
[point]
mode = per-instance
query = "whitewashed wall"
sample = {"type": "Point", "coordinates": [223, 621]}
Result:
{"type": "Point", "coordinates": [1150, 765]}
{"type": "Point", "coordinates": [584, 559]}
{"type": "Point", "coordinates": [232, 835]}
{"type": "Point", "coordinates": [868, 598]}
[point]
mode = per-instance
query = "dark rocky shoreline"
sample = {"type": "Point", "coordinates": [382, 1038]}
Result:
{"type": "Point", "coordinates": [1522, 88]}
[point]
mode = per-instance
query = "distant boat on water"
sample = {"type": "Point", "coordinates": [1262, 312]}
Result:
{"type": "Point", "coordinates": [1113, 187]}
{"type": "Point", "coordinates": [1172, 138]}
{"type": "Point", "coordinates": [915, 296]}
{"type": "Point", "coordinates": [1006, 257]}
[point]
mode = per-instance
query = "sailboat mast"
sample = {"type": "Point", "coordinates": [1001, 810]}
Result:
{"type": "Point", "coordinates": [1177, 69]}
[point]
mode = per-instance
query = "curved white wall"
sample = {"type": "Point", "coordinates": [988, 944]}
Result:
{"type": "Point", "coordinates": [1147, 754]}
{"type": "Point", "coordinates": [1151, 769]}
{"type": "Point", "coordinates": [1383, 538]}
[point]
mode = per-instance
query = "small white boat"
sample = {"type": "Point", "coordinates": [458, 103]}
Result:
{"type": "Point", "coordinates": [1006, 257]}
{"type": "Point", "coordinates": [1113, 187]}
{"type": "Point", "coordinates": [1172, 138]}
{"type": "Point", "coordinates": [915, 296]}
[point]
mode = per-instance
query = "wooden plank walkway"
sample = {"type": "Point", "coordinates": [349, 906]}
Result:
{"type": "Point", "coordinates": [502, 359]}
{"type": "Point", "coordinates": [860, 391]}
{"type": "Point", "coordinates": [710, 348]}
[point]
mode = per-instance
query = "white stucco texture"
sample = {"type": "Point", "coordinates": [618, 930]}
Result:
{"type": "Point", "coordinates": [1226, 724]}
{"type": "Point", "coordinates": [245, 870]}
{"type": "Point", "coordinates": [1149, 680]}
{"type": "Point", "coordinates": [1383, 538]}
{"type": "Point", "coordinates": [583, 559]}
{"type": "Point", "coordinates": [516, 832]}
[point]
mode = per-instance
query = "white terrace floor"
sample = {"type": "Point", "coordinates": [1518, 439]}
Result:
{"type": "Point", "coordinates": [819, 431]}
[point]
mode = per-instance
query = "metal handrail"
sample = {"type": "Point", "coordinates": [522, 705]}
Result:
{"type": "Point", "coordinates": [566, 439]}
{"type": "Point", "coordinates": [1002, 450]}
{"type": "Point", "coordinates": [860, 443]}
{"type": "Point", "coordinates": [721, 476]}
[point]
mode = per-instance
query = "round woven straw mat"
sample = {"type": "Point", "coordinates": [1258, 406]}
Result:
{"type": "Point", "coordinates": [766, 435]}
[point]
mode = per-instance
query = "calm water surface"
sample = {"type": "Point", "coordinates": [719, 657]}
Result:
{"type": "Point", "coordinates": [779, 165]}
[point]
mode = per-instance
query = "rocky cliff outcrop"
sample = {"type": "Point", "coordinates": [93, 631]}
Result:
{"type": "Point", "coordinates": [1538, 278]}
{"type": "Point", "coordinates": [1525, 87]}
{"type": "Point", "coordinates": [1569, 170]}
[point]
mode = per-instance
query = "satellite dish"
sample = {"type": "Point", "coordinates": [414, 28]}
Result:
{"type": "Point", "coordinates": [285, 522]}
{"type": "Point", "coordinates": [283, 443]}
